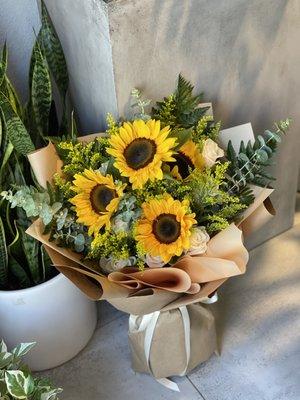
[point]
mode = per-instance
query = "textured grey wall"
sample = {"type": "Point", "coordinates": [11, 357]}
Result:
{"type": "Point", "coordinates": [244, 54]}
{"type": "Point", "coordinates": [18, 20]}
{"type": "Point", "coordinates": [83, 30]}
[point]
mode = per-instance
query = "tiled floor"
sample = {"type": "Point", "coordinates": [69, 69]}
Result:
{"type": "Point", "coordinates": [258, 324]}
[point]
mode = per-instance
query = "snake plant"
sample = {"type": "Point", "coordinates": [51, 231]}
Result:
{"type": "Point", "coordinates": [24, 128]}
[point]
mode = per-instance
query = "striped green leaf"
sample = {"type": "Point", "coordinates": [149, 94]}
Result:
{"type": "Point", "coordinates": [18, 272]}
{"type": "Point", "coordinates": [3, 63]}
{"type": "Point", "coordinates": [15, 129]}
{"type": "Point", "coordinates": [3, 257]}
{"type": "Point", "coordinates": [54, 53]}
{"type": "Point", "coordinates": [41, 93]}
{"type": "Point", "coordinates": [31, 250]}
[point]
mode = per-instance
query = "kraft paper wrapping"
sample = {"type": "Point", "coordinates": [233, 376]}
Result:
{"type": "Point", "coordinates": [168, 355]}
{"type": "Point", "coordinates": [189, 280]}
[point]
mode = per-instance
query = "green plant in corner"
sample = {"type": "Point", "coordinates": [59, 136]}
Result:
{"type": "Point", "coordinates": [16, 380]}
{"type": "Point", "coordinates": [24, 128]}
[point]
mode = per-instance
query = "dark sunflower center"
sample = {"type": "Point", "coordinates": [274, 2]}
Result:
{"type": "Point", "coordinates": [101, 196]}
{"type": "Point", "coordinates": [184, 163]}
{"type": "Point", "coordinates": [166, 228]}
{"type": "Point", "coordinates": [140, 152]}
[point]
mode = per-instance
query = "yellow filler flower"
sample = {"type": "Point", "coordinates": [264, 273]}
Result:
{"type": "Point", "coordinates": [165, 228]}
{"type": "Point", "coordinates": [139, 149]}
{"type": "Point", "coordinates": [188, 156]}
{"type": "Point", "coordinates": [96, 200]}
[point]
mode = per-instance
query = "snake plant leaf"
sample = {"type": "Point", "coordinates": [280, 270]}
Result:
{"type": "Point", "coordinates": [19, 274]}
{"type": "Point", "coordinates": [31, 250]}
{"type": "Point", "coordinates": [47, 268]}
{"type": "Point", "coordinates": [3, 63]}
{"type": "Point", "coordinates": [13, 97]}
{"type": "Point", "coordinates": [3, 257]}
{"type": "Point", "coordinates": [54, 53]}
{"type": "Point", "coordinates": [41, 93]}
{"type": "Point", "coordinates": [6, 156]}
{"type": "Point", "coordinates": [16, 131]}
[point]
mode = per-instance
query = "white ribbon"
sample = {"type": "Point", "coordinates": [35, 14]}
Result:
{"type": "Point", "coordinates": [148, 323]}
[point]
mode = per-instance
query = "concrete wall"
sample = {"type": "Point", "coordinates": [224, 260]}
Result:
{"type": "Point", "coordinates": [244, 54]}
{"type": "Point", "coordinates": [18, 20]}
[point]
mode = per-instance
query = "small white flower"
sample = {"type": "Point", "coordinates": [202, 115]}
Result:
{"type": "Point", "coordinates": [198, 240]}
{"type": "Point", "coordinates": [211, 152]}
{"type": "Point", "coordinates": [154, 261]}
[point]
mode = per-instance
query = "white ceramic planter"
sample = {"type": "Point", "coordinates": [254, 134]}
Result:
{"type": "Point", "coordinates": [54, 314]}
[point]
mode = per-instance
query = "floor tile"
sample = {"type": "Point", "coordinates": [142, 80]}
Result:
{"type": "Point", "coordinates": [259, 325]}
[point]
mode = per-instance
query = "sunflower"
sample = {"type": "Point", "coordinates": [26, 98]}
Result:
{"type": "Point", "coordinates": [165, 228]}
{"type": "Point", "coordinates": [96, 200]}
{"type": "Point", "coordinates": [139, 149]}
{"type": "Point", "coordinates": [188, 156]}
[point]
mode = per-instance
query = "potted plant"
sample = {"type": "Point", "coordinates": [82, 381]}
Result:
{"type": "Point", "coordinates": [16, 380]}
{"type": "Point", "coordinates": [36, 303]}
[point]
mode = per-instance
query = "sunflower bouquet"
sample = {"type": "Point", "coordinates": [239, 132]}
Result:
{"type": "Point", "coordinates": [150, 215]}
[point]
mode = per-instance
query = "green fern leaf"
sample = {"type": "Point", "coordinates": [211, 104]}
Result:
{"type": "Point", "coordinates": [53, 52]}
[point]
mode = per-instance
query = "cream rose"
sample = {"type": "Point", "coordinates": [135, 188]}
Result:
{"type": "Point", "coordinates": [111, 264]}
{"type": "Point", "coordinates": [154, 261]}
{"type": "Point", "coordinates": [211, 152]}
{"type": "Point", "coordinates": [198, 240]}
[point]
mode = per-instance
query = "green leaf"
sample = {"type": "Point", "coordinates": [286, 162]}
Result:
{"type": "Point", "coordinates": [46, 264]}
{"type": "Point", "coordinates": [15, 129]}
{"type": "Point", "coordinates": [5, 359]}
{"type": "Point", "coordinates": [41, 93]}
{"type": "Point", "coordinates": [3, 257]}
{"type": "Point", "coordinates": [22, 349]}
{"type": "Point", "coordinates": [3, 347]}
{"type": "Point", "coordinates": [3, 63]}
{"type": "Point", "coordinates": [13, 98]}
{"type": "Point", "coordinates": [19, 273]}
{"type": "Point", "coordinates": [6, 156]}
{"type": "Point", "coordinates": [54, 53]}
{"type": "Point", "coordinates": [31, 250]}
{"type": "Point", "coordinates": [182, 136]}
{"type": "Point", "coordinates": [19, 384]}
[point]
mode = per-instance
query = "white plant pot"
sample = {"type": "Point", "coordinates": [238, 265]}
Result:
{"type": "Point", "coordinates": [55, 314]}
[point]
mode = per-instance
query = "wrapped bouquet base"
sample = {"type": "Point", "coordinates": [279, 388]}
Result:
{"type": "Point", "coordinates": [172, 342]}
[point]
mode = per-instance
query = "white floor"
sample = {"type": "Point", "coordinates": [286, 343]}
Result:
{"type": "Point", "coordinates": [259, 328]}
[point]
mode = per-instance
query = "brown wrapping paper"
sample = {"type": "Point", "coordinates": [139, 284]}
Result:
{"type": "Point", "coordinates": [168, 354]}
{"type": "Point", "coordinates": [141, 293]}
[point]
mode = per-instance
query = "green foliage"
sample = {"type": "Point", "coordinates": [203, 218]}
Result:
{"type": "Point", "coordinates": [41, 92]}
{"type": "Point", "coordinates": [138, 105]}
{"type": "Point", "coordinates": [80, 156]}
{"type": "Point", "coordinates": [206, 129]}
{"type": "Point", "coordinates": [250, 163]}
{"type": "Point", "coordinates": [3, 257]}
{"type": "Point", "coordinates": [214, 206]}
{"type": "Point", "coordinates": [23, 128]}
{"type": "Point", "coordinates": [53, 52]}
{"type": "Point", "coordinates": [15, 129]}
{"type": "Point", "coordinates": [118, 245]}
{"type": "Point", "coordinates": [182, 108]}
{"type": "Point", "coordinates": [16, 380]}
